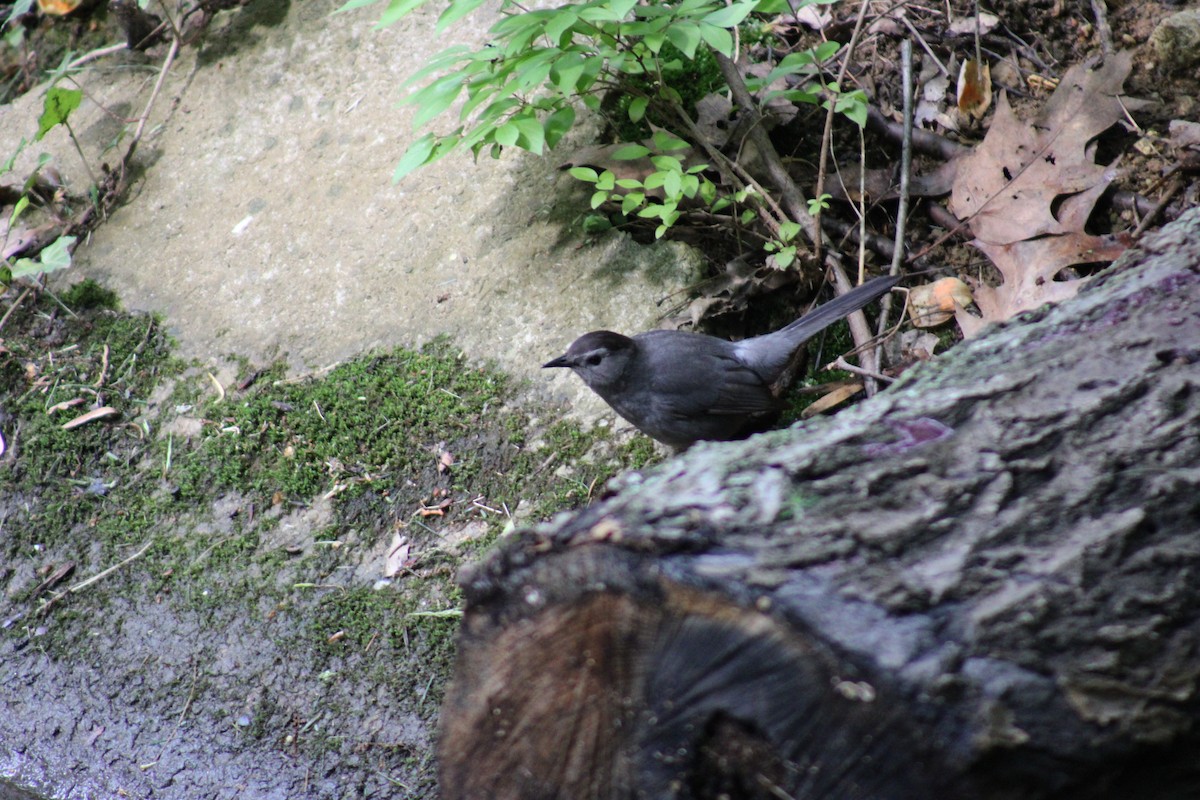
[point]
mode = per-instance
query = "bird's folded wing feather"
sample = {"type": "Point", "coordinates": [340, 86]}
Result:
{"type": "Point", "coordinates": [739, 390]}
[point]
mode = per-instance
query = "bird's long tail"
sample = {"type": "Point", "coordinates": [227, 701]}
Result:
{"type": "Point", "coordinates": [839, 307]}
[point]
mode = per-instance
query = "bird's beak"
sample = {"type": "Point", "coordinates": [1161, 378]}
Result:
{"type": "Point", "coordinates": [561, 361]}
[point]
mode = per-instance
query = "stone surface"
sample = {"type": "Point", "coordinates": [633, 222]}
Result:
{"type": "Point", "coordinates": [265, 223]}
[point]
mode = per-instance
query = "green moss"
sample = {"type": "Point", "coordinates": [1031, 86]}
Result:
{"type": "Point", "coordinates": [365, 423]}
{"type": "Point", "coordinates": [87, 294]}
{"type": "Point", "coordinates": [57, 370]}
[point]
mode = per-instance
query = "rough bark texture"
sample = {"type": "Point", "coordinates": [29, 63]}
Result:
{"type": "Point", "coordinates": [984, 583]}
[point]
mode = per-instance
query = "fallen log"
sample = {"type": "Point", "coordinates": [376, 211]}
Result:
{"type": "Point", "coordinates": [983, 583]}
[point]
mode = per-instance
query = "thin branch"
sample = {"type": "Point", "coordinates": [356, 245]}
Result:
{"type": "Point", "coordinates": [827, 133]}
{"type": "Point", "coordinates": [906, 79]}
{"type": "Point", "coordinates": [158, 84]}
{"type": "Point", "coordinates": [792, 198]}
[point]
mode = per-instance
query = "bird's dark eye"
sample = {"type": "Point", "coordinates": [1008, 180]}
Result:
{"type": "Point", "coordinates": [593, 360]}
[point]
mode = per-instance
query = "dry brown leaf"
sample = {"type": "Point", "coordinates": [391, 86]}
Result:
{"type": "Point", "coordinates": [932, 304]}
{"type": "Point", "coordinates": [398, 556]}
{"type": "Point", "coordinates": [969, 26]}
{"type": "Point", "coordinates": [827, 401]}
{"type": "Point", "coordinates": [104, 412]}
{"type": "Point", "coordinates": [1027, 191]}
{"type": "Point", "coordinates": [974, 88]}
{"type": "Point", "coordinates": [1029, 269]}
{"type": "Point", "coordinates": [1031, 179]}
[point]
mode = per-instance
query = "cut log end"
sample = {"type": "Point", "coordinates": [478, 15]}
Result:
{"type": "Point", "coordinates": [660, 690]}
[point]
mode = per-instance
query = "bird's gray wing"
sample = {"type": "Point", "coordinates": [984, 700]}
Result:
{"type": "Point", "coordinates": [695, 375]}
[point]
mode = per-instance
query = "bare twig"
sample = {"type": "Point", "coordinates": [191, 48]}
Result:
{"type": "Point", "coordinates": [98, 576]}
{"type": "Point", "coordinates": [790, 195]}
{"type": "Point", "coordinates": [857, 321]}
{"type": "Point", "coordinates": [1103, 31]}
{"type": "Point", "coordinates": [841, 363]}
{"type": "Point", "coordinates": [95, 55]}
{"type": "Point", "coordinates": [906, 77]}
{"type": "Point", "coordinates": [158, 84]}
{"type": "Point", "coordinates": [827, 133]}
{"type": "Point", "coordinates": [1163, 202]}
{"type": "Point", "coordinates": [20, 299]}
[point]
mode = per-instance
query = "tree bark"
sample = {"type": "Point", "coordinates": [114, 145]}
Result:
{"type": "Point", "coordinates": [983, 583]}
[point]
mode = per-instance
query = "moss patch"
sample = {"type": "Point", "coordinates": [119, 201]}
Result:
{"type": "Point", "coordinates": [245, 529]}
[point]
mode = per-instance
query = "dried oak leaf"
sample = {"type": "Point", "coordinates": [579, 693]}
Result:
{"type": "Point", "coordinates": [1028, 189]}
{"type": "Point", "coordinates": [1031, 179]}
{"type": "Point", "coordinates": [1029, 268]}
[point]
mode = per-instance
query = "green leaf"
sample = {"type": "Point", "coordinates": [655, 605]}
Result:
{"type": "Point", "coordinates": [747, 216]}
{"type": "Point", "coordinates": [730, 16]}
{"type": "Point", "coordinates": [631, 202]}
{"type": "Point", "coordinates": [532, 138]}
{"type": "Point", "coordinates": [667, 142]}
{"type": "Point", "coordinates": [8, 165]}
{"type": "Point", "coordinates": [19, 9]}
{"type": "Point", "coordinates": [441, 61]}
{"type": "Point", "coordinates": [654, 41]}
{"type": "Point", "coordinates": [708, 193]}
{"type": "Point", "coordinates": [533, 69]}
{"type": "Point", "coordinates": [454, 12]}
{"type": "Point", "coordinates": [58, 106]}
{"type": "Point", "coordinates": [396, 11]}
{"type": "Point", "coordinates": [567, 72]}
{"type": "Point", "coordinates": [621, 8]}
{"type": "Point", "coordinates": [349, 5]}
{"type": "Point", "coordinates": [685, 36]}
{"type": "Point", "coordinates": [637, 108]}
{"type": "Point", "coordinates": [854, 106]}
{"type": "Point", "coordinates": [655, 180]}
{"type": "Point", "coordinates": [417, 154]}
{"type": "Point", "coordinates": [54, 256]}
{"type": "Point", "coordinates": [689, 185]}
{"type": "Point", "coordinates": [672, 184]}
{"type": "Point", "coordinates": [667, 163]}
{"type": "Point", "coordinates": [557, 124]}
{"type": "Point", "coordinates": [794, 95]}
{"type": "Point", "coordinates": [629, 183]}
{"type": "Point", "coordinates": [630, 152]}
{"type": "Point", "coordinates": [562, 21]}
{"type": "Point", "coordinates": [585, 174]}
{"type": "Point", "coordinates": [598, 199]}
{"type": "Point", "coordinates": [434, 98]}
{"type": "Point", "coordinates": [21, 205]}
{"type": "Point", "coordinates": [718, 39]}
{"type": "Point", "coordinates": [507, 134]}
{"type": "Point", "coordinates": [788, 230]}
{"type": "Point", "coordinates": [785, 257]}
{"type": "Point", "coordinates": [606, 181]}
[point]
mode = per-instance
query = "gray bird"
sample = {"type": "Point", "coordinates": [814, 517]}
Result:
{"type": "Point", "coordinates": [679, 387]}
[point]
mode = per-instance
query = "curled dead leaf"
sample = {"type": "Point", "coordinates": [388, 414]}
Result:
{"type": "Point", "coordinates": [974, 88]}
{"type": "Point", "coordinates": [58, 8]}
{"type": "Point", "coordinates": [838, 396]}
{"type": "Point", "coordinates": [398, 556]}
{"type": "Point", "coordinates": [933, 304]}
{"type": "Point", "coordinates": [104, 412]}
{"type": "Point", "coordinates": [64, 405]}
